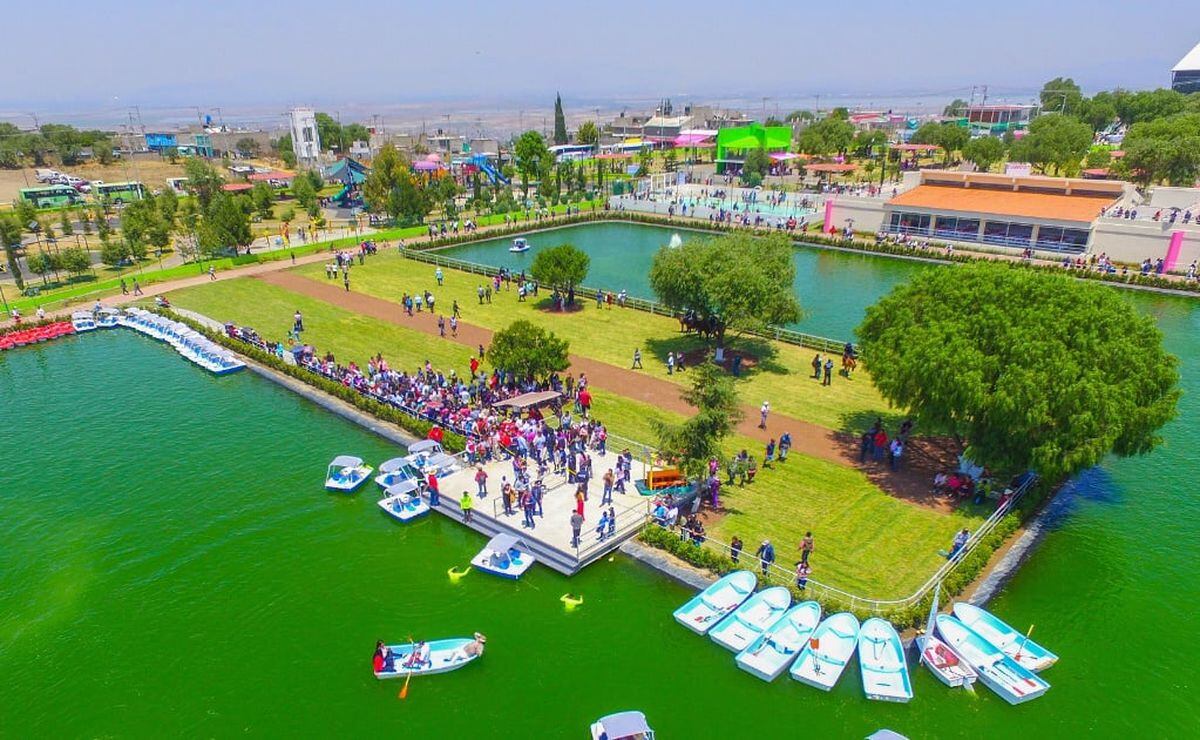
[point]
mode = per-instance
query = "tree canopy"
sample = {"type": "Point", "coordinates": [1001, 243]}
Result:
{"type": "Point", "coordinates": [828, 136]}
{"type": "Point", "coordinates": [1061, 94]}
{"type": "Point", "coordinates": [755, 168]}
{"type": "Point", "coordinates": [1055, 142]}
{"type": "Point", "coordinates": [562, 267]}
{"type": "Point", "coordinates": [560, 121]}
{"type": "Point", "coordinates": [588, 133]}
{"type": "Point", "coordinates": [984, 151]}
{"type": "Point", "coordinates": [1164, 149]}
{"type": "Point", "coordinates": [734, 281]}
{"type": "Point", "coordinates": [691, 443]}
{"type": "Point", "coordinates": [526, 350]}
{"type": "Point", "coordinates": [531, 152]}
{"type": "Point", "coordinates": [1027, 370]}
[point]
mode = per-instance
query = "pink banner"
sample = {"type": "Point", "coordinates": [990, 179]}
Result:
{"type": "Point", "coordinates": [1173, 251]}
{"type": "Point", "coordinates": [829, 227]}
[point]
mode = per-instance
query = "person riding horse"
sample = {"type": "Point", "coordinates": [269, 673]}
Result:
{"type": "Point", "coordinates": [849, 359]}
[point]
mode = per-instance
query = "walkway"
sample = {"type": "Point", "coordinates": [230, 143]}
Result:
{"type": "Point", "coordinates": [912, 483]}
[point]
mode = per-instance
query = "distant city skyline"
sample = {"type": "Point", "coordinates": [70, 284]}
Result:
{"type": "Point", "coordinates": [412, 64]}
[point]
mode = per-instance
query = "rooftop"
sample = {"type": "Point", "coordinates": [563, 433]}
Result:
{"type": "Point", "coordinates": [1019, 203]}
{"type": "Point", "coordinates": [1190, 61]}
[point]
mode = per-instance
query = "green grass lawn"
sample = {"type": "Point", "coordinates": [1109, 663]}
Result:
{"type": "Point", "coordinates": [867, 542]}
{"type": "Point", "coordinates": [610, 335]}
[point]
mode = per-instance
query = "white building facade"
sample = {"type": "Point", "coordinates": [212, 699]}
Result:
{"type": "Point", "coordinates": [306, 141]}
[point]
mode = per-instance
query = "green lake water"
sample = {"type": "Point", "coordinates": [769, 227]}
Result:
{"type": "Point", "coordinates": [171, 566]}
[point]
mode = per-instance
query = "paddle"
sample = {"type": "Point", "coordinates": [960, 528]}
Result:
{"type": "Point", "coordinates": [404, 689]}
{"type": "Point", "coordinates": [1017, 657]}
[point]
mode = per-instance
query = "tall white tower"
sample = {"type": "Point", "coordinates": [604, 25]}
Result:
{"type": "Point", "coordinates": [306, 142]}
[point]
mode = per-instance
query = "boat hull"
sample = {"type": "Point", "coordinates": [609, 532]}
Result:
{"type": "Point", "coordinates": [404, 508]}
{"type": "Point", "coordinates": [822, 667]}
{"type": "Point", "coordinates": [884, 669]}
{"type": "Point", "coordinates": [1008, 680]}
{"type": "Point", "coordinates": [774, 650]}
{"type": "Point", "coordinates": [953, 675]}
{"type": "Point", "coordinates": [704, 610]}
{"type": "Point", "coordinates": [748, 622]}
{"type": "Point", "coordinates": [1027, 653]}
{"type": "Point", "coordinates": [444, 656]}
{"type": "Point", "coordinates": [348, 483]}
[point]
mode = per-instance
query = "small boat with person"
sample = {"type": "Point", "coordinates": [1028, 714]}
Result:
{"type": "Point", "coordinates": [828, 652]}
{"type": "Point", "coordinates": [427, 456]}
{"type": "Point", "coordinates": [504, 555]}
{"type": "Point", "coordinates": [775, 649]}
{"type": "Point", "coordinates": [881, 657]}
{"type": "Point", "coordinates": [83, 321]}
{"type": "Point", "coordinates": [702, 612]}
{"type": "Point", "coordinates": [941, 660]}
{"type": "Point", "coordinates": [1015, 645]}
{"type": "Point", "coordinates": [398, 471]}
{"type": "Point", "coordinates": [346, 473]}
{"type": "Point", "coordinates": [403, 503]}
{"type": "Point", "coordinates": [747, 623]}
{"type": "Point", "coordinates": [622, 726]}
{"type": "Point", "coordinates": [426, 658]}
{"type": "Point", "coordinates": [997, 671]}
{"type": "Point", "coordinates": [519, 245]}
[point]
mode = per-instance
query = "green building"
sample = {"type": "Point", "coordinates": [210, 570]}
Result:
{"type": "Point", "coordinates": [733, 143]}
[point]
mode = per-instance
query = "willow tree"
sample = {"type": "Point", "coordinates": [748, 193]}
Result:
{"type": "Point", "coordinates": [734, 282]}
{"type": "Point", "coordinates": [1026, 370]}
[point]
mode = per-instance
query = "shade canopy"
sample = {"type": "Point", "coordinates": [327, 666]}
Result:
{"type": "Point", "coordinates": [785, 156]}
{"type": "Point", "coordinates": [425, 445]}
{"type": "Point", "coordinates": [427, 166]}
{"type": "Point", "coordinates": [624, 724]}
{"type": "Point", "coordinates": [915, 147]}
{"type": "Point", "coordinates": [528, 400]}
{"type": "Point", "coordinates": [691, 139]}
{"type": "Point", "coordinates": [501, 543]}
{"type": "Point", "coordinates": [832, 167]}
{"type": "Point", "coordinates": [391, 466]}
{"type": "Point", "coordinates": [346, 461]}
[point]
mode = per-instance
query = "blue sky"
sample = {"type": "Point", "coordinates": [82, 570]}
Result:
{"type": "Point", "coordinates": [237, 53]}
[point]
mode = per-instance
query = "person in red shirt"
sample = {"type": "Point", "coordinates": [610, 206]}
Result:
{"type": "Point", "coordinates": [585, 400]}
{"type": "Point", "coordinates": [881, 443]}
{"type": "Point", "coordinates": [434, 493]}
{"type": "Point", "coordinates": [474, 366]}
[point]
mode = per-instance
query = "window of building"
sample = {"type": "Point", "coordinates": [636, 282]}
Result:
{"type": "Point", "coordinates": [1007, 234]}
{"type": "Point", "coordinates": [910, 223]}
{"type": "Point", "coordinates": [1062, 240]}
{"type": "Point", "coordinates": [961, 229]}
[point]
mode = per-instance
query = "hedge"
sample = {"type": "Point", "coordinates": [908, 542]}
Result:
{"type": "Point", "coordinates": [451, 441]}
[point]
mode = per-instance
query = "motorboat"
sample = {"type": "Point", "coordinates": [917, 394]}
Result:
{"type": "Point", "coordinates": [438, 656]}
{"type": "Point", "coordinates": [404, 504]}
{"type": "Point", "coordinates": [622, 726]}
{"type": "Point", "coordinates": [346, 473]}
{"type": "Point", "coordinates": [702, 612]}
{"type": "Point", "coordinates": [108, 318]}
{"type": "Point", "coordinates": [396, 472]}
{"type": "Point", "coordinates": [881, 657]}
{"type": "Point", "coordinates": [83, 321]}
{"type": "Point", "coordinates": [1000, 673]}
{"type": "Point", "coordinates": [520, 244]}
{"type": "Point", "coordinates": [504, 555]}
{"type": "Point", "coordinates": [752, 618]}
{"type": "Point", "coordinates": [1030, 655]}
{"type": "Point", "coordinates": [828, 651]}
{"type": "Point", "coordinates": [427, 456]}
{"type": "Point", "coordinates": [778, 646]}
{"type": "Point", "coordinates": [941, 659]}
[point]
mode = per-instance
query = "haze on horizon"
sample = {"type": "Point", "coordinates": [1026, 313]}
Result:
{"type": "Point", "coordinates": [88, 56]}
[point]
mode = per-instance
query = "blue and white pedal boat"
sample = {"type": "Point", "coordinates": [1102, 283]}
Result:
{"type": "Point", "coordinates": [504, 555]}
{"type": "Point", "coordinates": [403, 503]}
{"type": "Point", "coordinates": [346, 473]}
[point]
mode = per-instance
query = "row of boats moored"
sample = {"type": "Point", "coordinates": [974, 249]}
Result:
{"type": "Point", "coordinates": [769, 635]}
{"type": "Point", "coordinates": [189, 343]}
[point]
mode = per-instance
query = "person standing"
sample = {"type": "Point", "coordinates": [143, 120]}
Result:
{"type": "Point", "coordinates": [137, 288]}
{"type": "Point", "coordinates": [437, 274]}
{"type": "Point", "coordinates": [576, 525]}
{"type": "Point", "coordinates": [785, 444]}
{"type": "Point", "coordinates": [894, 452]}
{"type": "Point", "coordinates": [527, 508]}
{"type": "Point", "coordinates": [960, 541]}
{"type": "Point", "coordinates": [441, 324]}
{"type": "Point", "coordinates": [346, 280]}
{"type": "Point", "coordinates": [670, 363]}
{"type": "Point", "coordinates": [735, 548]}
{"type": "Point", "coordinates": [637, 358]}
{"type": "Point", "coordinates": [816, 366]}
{"type": "Point", "coordinates": [828, 372]}
{"type": "Point", "coordinates": [612, 520]}
{"type": "Point", "coordinates": [766, 555]}
{"type": "Point", "coordinates": [762, 414]}
{"type": "Point", "coordinates": [124, 290]}
{"type": "Point", "coordinates": [212, 272]}
{"type": "Point", "coordinates": [580, 498]}
{"type": "Point", "coordinates": [802, 572]}
{"type": "Point", "coordinates": [465, 505]}
{"type": "Point", "coordinates": [806, 547]}
{"type": "Point", "coordinates": [297, 322]}
{"type": "Point", "coordinates": [454, 326]}
{"type": "Point", "coordinates": [608, 488]}
{"type": "Point", "coordinates": [435, 496]}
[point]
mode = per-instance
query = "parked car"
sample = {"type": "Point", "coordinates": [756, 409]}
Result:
{"type": "Point", "coordinates": [46, 175]}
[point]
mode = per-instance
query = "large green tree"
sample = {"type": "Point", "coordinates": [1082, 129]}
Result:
{"type": "Point", "coordinates": [1054, 143]}
{"type": "Point", "coordinates": [528, 351]}
{"type": "Point", "coordinates": [828, 136]}
{"type": "Point", "coordinates": [755, 167]}
{"type": "Point", "coordinates": [531, 152]}
{"type": "Point", "coordinates": [984, 151]}
{"type": "Point", "coordinates": [1026, 370]}
{"type": "Point", "coordinates": [588, 133]}
{"type": "Point", "coordinates": [562, 267]}
{"type": "Point", "coordinates": [1061, 94]}
{"type": "Point", "coordinates": [1164, 149]}
{"type": "Point", "coordinates": [733, 282]}
{"type": "Point", "coordinates": [203, 180]}
{"type": "Point", "coordinates": [691, 443]}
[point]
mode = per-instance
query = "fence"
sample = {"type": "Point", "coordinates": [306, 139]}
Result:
{"type": "Point", "coordinates": [778, 333]}
{"type": "Point", "coordinates": [779, 575]}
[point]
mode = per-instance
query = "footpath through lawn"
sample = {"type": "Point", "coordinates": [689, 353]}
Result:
{"type": "Point", "coordinates": [867, 541]}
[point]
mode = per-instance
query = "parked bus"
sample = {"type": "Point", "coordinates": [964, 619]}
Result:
{"type": "Point", "coordinates": [51, 196]}
{"type": "Point", "coordinates": [118, 192]}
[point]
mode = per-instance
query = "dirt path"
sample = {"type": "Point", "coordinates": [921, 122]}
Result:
{"type": "Point", "coordinates": [911, 483]}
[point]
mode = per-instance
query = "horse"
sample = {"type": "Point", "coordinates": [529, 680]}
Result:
{"type": "Point", "coordinates": [849, 362]}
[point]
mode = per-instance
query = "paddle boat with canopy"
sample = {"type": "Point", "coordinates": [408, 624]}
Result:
{"type": "Point", "coordinates": [1030, 655]}
{"type": "Point", "coordinates": [997, 671]}
{"type": "Point", "coordinates": [504, 555]}
{"type": "Point", "coordinates": [428, 658]}
{"type": "Point", "coordinates": [881, 657]}
{"type": "Point", "coordinates": [398, 471]}
{"type": "Point", "coordinates": [108, 317]}
{"type": "Point", "coordinates": [346, 473]}
{"type": "Point", "coordinates": [775, 649]}
{"type": "Point", "coordinates": [519, 245]}
{"type": "Point", "coordinates": [622, 726]}
{"type": "Point", "coordinates": [427, 456]}
{"type": "Point", "coordinates": [403, 503]}
{"type": "Point", "coordinates": [752, 618]}
{"type": "Point", "coordinates": [828, 651]}
{"type": "Point", "coordinates": [702, 612]}
{"type": "Point", "coordinates": [940, 658]}
{"type": "Point", "coordinates": [83, 321]}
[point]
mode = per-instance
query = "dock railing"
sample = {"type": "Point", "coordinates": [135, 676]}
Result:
{"type": "Point", "coordinates": [583, 292]}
